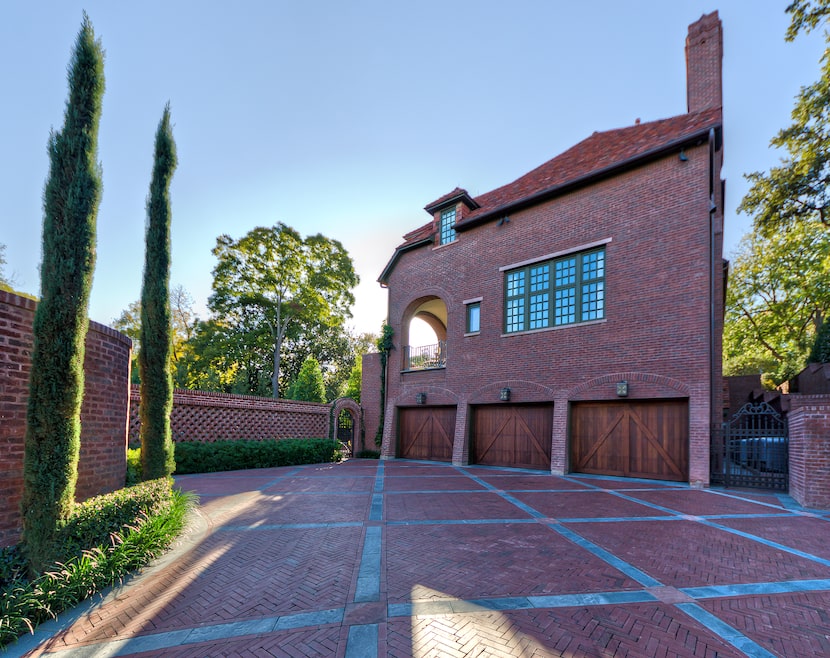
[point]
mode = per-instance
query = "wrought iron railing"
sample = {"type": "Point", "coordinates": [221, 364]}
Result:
{"type": "Point", "coordinates": [426, 357]}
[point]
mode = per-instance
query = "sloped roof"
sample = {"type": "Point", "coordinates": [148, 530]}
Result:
{"type": "Point", "coordinates": [600, 155]}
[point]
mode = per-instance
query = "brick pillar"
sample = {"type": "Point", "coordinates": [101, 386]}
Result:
{"type": "Point", "coordinates": [809, 427]}
{"type": "Point", "coordinates": [559, 457]}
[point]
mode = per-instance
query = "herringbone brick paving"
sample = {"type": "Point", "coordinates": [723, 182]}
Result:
{"type": "Point", "coordinates": [661, 549]}
{"type": "Point", "coordinates": [641, 630]}
{"type": "Point", "coordinates": [470, 563]}
{"type": "Point", "coordinates": [492, 560]}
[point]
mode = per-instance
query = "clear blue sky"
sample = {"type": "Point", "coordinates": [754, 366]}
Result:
{"type": "Point", "coordinates": [346, 118]}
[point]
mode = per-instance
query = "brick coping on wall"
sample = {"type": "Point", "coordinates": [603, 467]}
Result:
{"type": "Point", "coordinates": [29, 304]}
{"type": "Point", "coordinates": [197, 398]}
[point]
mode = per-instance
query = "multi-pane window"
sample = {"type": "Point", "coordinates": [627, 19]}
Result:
{"type": "Point", "coordinates": [514, 311]}
{"type": "Point", "coordinates": [473, 318]}
{"type": "Point", "coordinates": [447, 232]}
{"type": "Point", "coordinates": [557, 292]}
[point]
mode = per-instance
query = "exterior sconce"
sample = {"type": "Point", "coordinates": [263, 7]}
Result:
{"type": "Point", "coordinates": [504, 394]}
{"type": "Point", "coordinates": [420, 398]}
{"type": "Point", "coordinates": [683, 156]}
{"type": "Point", "coordinates": [622, 389]}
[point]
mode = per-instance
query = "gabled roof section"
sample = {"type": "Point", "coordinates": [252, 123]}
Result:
{"type": "Point", "coordinates": [600, 156]}
{"type": "Point", "coordinates": [458, 194]}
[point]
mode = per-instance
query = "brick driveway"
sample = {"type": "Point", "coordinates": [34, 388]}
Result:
{"type": "Point", "coordinates": [403, 558]}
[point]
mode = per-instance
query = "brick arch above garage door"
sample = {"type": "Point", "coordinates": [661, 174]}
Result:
{"type": "Point", "coordinates": [640, 385]}
{"type": "Point", "coordinates": [632, 438]}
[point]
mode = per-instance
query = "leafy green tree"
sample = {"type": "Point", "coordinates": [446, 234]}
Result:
{"type": "Point", "coordinates": [797, 190]}
{"type": "Point", "coordinates": [309, 385]}
{"type": "Point", "coordinates": [71, 198]}
{"type": "Point", "coordinates": [156, 344]}
{"type": "Point", "coordinates": [778, 295]}
{"type": "Point", "coordinates": [183, 327]}
{"type": "Point", "coordinates": [806, 15]}
{"type": "Point", "coordinates": [820, 352]}
{"type": "Point", "coordinates": [230, 355]}
{"type": "Point", "coordinates": [355, 380]}
{"type": "Point", "coordinates": [281, 280]}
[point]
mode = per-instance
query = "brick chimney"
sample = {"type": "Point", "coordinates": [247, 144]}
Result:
{"type": "Point", "coordinates": [704, 57]}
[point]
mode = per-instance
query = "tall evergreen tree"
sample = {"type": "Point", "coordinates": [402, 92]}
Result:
{"type": "Point", "coordinates": [309, 385]}
{"type": "Point", "coordinates": [156, 338]}
{"type": "Point", "coordinates": [71, 198]}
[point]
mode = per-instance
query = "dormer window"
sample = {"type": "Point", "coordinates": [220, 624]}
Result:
{"type": "Point", "coordinates": [447, 228]}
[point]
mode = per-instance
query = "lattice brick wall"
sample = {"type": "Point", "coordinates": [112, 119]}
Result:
{"type": "Point", "coordinates": [205, 416]}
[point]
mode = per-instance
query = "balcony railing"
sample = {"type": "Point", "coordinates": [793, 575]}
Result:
{"type": "Point", "coordinates": [426, 357]}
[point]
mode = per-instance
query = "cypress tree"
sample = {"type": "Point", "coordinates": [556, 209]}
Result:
{"type": "Point", "coordinates": [156, 334]}
{"type": "Point", "coordinates": [309, 385]}
{"type": "Point", "coordinates": [70, 207]}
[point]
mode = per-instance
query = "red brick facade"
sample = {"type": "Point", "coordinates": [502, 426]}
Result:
{"type": "Point", "coordinates": [205, 416]}
{"type": "Point", "coordinates": [370, 399]}
{"type": "Point", "coordinates": [102, 463]}
{"type": "Point", "coordinates": [809, 426]}
{"type": "Point", "coordinates": [651, 196]}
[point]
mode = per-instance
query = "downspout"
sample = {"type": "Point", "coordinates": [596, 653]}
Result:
{"type": "Point", "coordinates": [712, 209]}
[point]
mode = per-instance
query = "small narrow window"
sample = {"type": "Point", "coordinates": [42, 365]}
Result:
{"type": "Point", "coordinates": [474, 318]}
{"type": "Point", "coordinates": [447, 232]}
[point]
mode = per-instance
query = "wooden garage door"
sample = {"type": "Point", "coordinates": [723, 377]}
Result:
{"type": "Point", "coordinates": [633, 439]}
{"type": "Point", "coordinates": [512, 435]}
{"type": "Point", "coordinates": [426, 433]}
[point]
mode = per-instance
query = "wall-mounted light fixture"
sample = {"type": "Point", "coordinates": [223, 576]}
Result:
{"type": "Point", "coordinates": [622, 389]}
{"type": "Point", "coordinates": [420, 398]}
{"type": "Point", "coordinates": [504, 394]}
{"type": "Point", "coordinates": [683, 156]}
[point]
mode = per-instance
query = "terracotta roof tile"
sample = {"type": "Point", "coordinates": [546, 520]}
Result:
{"type": "Point", "coordinates": [600, 152]}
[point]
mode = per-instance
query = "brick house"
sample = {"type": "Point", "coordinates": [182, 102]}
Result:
{"type": "Point", "coordinates": [578, 309]}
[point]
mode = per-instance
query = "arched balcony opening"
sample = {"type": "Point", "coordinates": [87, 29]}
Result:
{"type": "Point", "coordinates": [425, 338]}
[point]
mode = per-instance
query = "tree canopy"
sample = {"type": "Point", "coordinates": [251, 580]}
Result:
{"type": "Point", "coordinates": [778, 297]}
{"type": "Point", "coordinates": [806, 15]}
{"type": "Point", "coordinates": [309, 385]}
{"type": "Point", "coordinates": [280, 285]}
{"type": "Point", "coordinates": [797, 190]}
{"type": "Point", "coordinates": [183, 322]}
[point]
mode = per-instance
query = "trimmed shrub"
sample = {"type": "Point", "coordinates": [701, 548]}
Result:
{"type": "Point", "coordinates": [160, 515]}
{"type": "Point", "coordinates": [197, 457]}
{"type": "Point", "coordinates": [95, 521]}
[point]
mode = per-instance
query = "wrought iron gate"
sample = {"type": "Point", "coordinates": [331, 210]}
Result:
{"type": "Point", "coordinates": [752, 449]}
{"type": "Point", "coordinates": [345, 429]}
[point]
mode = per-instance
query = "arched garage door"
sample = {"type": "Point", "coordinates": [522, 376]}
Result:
{"type": "Point", "coordinates": [646, 439]}
{"type": "Point", "coordinates": [426, 433]}
{"type": "Point", "coordinates": [517, 435]}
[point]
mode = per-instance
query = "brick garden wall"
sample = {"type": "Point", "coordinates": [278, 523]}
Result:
{"type": "Point", "coordinates": [204, 416]}
{"type": "Point", "coordinates": [809, 426]}
{"type": "Point", "coordinates": [102, 464]}
{"type": "Point", "coordinates": [370, 398]}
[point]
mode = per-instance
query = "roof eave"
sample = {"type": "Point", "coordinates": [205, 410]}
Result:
{"type": "Point", "coordinates": [387, 271]}
{"type": "Point", "coordinates": [698, 137]}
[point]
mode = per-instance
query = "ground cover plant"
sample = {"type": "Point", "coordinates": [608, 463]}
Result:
{"type": "Point", "coordinates": [103, 540]}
